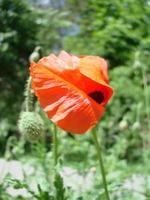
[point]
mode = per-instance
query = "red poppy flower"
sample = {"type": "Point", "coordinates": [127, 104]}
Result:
{"type": "Point", "coordinates": [72, 90]}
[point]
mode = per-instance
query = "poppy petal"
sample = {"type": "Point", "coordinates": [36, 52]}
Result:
{"type": "Point", "coordinates": [94, 67]}
{"type": "Point", "coordinates": [72, 61]}
{"type": "Point", "coordinates": [65, 104]}
{"type": "Point", "coordinates": [80, 75]}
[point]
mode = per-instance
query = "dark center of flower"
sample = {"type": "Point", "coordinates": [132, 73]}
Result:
{"type": "Point", "coordinates": [97, 96]}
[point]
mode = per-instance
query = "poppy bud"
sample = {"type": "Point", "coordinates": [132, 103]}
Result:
{"type": "Point", "coordinates": [35, 55]}
{"type": "Point", "coordinates": [31, 126]}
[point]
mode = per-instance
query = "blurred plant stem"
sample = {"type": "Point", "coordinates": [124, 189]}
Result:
{"type": "Point", "coordinates": [138, 63]}
{"type": "Point", "coordinates": [146, 95]}
{"type": "Point", "coordinates": [55, 145]}
{"type": "Point", "coordinates": [99, 155]}
{"type": "Point", "coordinates": [146, 100]}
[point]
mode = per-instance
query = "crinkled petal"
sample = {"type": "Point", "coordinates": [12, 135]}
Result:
{"type": "Point", "coordinates": [65, 104]}
{"type": "Point", "coordinates": [94, 67]}
{"type": "Point", "coordinates": [79, 77]}
{"type": "Point", "coordinates": [71, 60]}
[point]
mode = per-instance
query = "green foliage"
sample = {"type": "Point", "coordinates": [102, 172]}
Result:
{"type": "Point", "coordinates": [53, 24]}
{"type": "Point", "coordinates": [60, 190]}
{"type": "Point", "coordinates": [17, 42]}
{"type": "Point", "coordinates": [113, 29]}
{"type": "Point", "coordinates": [120, 32]}
{"type": "Point", "coordinates": [23, 29]}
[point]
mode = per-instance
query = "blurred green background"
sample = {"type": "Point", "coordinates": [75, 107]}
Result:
{"type": "Point", "coordinates": [117, 30]}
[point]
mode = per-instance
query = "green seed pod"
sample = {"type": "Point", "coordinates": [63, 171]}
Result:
{"type": "Point", "coordinates": [31, 126]}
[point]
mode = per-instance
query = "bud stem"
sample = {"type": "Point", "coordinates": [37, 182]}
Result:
{"type": "Point", "coordinates": [28, 95]}
{"type": "Point", "coordinates": [55, 145]}
{"type": "Point", "coordinates": [98, 149]}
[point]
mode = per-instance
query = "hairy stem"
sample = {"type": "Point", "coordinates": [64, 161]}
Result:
{"type": "Point", "coordinates": [28, 95]}
{"type": "Point", "coordinates": [98, 149]}
{"type": "Point", "coordinates": [55, 145]}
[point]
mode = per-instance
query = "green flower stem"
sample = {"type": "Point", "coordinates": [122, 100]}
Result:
{"type": "Point", "coordinates": [55, 145]}
{"type": "Point", "coordinates": [98, 149]}
{"type": "Point", "coordinates": [146, 96]}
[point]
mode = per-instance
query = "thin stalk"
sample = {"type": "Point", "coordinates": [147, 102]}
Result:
{"type": "Point", "coordinates": [147, 106]}
{"type": "Point", "coordinates": [98, 149]}
{"type": "Point", "coordinates": [55, 145]}
{"type": "Point", "coordinates": [146, 95]}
